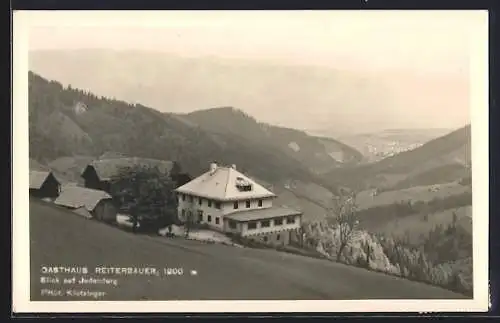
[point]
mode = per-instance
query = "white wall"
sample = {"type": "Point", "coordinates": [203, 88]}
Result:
{"type": "Point", "coordinates": [195, 206]}
{"type": "Point", "coordinates": [272, 228]}
{"type": "Point", "coordinates": [228, 207]}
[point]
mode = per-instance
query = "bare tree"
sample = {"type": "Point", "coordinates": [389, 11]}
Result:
{"type": "Point", "coordinates": [343, 217]}
{"type": "Point", "coordinates": [368, 249]}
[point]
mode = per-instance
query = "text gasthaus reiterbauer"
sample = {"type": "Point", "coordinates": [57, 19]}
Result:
{"type": "Point", "coordinates": [111, 270]}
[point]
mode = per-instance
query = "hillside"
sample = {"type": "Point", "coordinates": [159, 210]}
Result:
{"type": "Point", "coordinates": [69, 127]}
{"type": "Point", "coordinates": [441, 160]}
{"type": "Point", "coordinates": [111, 125]}
{"type": "Point", "coordinates": [379, 145]}
{"type": "Point", "coordinates": [301, 97]}
{"type": "Point", "coordinates": [223, 273]}
{"type": "Point", "coordinates": [318, 154]}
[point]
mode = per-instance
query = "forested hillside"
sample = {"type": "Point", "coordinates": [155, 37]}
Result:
{"type": "Point", "coordinates": [70, 122]}
{"type": "Point", "coordinates": [318, 154]}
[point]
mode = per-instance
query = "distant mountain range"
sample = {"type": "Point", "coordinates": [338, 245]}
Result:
{"type": "Point", "coordinates": [300, 97]}
{"type": "Point", "coordinates": [69, 127]}
{"type": "Point", "coordinates": [441, 160]}
{"type": "Point", "coordinates": [378, 145]}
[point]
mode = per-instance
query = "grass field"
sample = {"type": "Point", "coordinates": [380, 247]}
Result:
{"type": "Point", "coordinates": [418, 224]}
{"type": "Point", "coordinates": [62, 238]}
{"type": "Point", "coordinates": [418, 193]}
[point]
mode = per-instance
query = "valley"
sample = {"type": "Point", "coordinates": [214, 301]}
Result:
{"type": "Point", "coordinates": [415, 190]}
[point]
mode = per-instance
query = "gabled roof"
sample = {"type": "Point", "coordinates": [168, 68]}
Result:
{"type": "Point", "coordinates": [107, 168]}
{"type": "Point", "coordinates": [221, 185]}
{"type": "Point", "coordinates": [37, 178]}
{"type": "Point", "coordinates": [76, 197]}
{"type": "Point", "coordinates": [260, 214]}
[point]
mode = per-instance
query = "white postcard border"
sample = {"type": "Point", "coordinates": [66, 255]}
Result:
{"type": "Point", "coordinates": [22, 20]}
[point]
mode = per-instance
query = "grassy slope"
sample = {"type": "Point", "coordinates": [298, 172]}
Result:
{"type": "Point", "coordinates": [59, 237]}
{"type": "Point", "coordinates": [418, 224]}
{"type": "Point", "coordinates": [416, 193]}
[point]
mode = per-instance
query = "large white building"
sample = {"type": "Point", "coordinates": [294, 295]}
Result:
{"type": "Point", "coordinates": [229, 201]}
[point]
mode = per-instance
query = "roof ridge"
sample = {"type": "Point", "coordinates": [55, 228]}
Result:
{"type": "Point", "coordinates": [227, 181]}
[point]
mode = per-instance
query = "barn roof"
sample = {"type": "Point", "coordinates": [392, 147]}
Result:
{"type": "Point", "coordinates": [107, 168]}
{"type": "Point", "coordinates": [37, 178]}
{"type": "Point", "coordinates": [76, 197]}
{"type": "Point", "coordinates": [261, 214]}
{"type": "Point", "coordinates": [222, 185]}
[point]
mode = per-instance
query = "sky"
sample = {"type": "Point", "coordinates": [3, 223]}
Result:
{"type": "Point", "coordinates": [422, 41]}
{"type": "Point", "coordinates": [437, 47]}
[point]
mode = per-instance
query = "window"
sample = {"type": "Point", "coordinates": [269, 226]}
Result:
{"type": "Point", "coordinates": [260, 203]}
{"type": "Point", "coordinates": [200, 215]}
{"type": "Point", "coordinates": [265, 224]}
{"type": "Point", "coordinates": [278, 221]}
{"type": "Point", "coordinates": [232, 224]}
{"type": "Point", "coordinates": [243, 185]}
{"type": "Point", "coordinates": [217, 205]}
{"type": "Point", "coordinates": [247, 204]}
{"type": "Point", "coordinates": [190, 199]}
{"type": "Point", "coordinates": [183, 197]}
{"type": "Point", "coordinates": [265, 239]}
{"type": "Point", "coordinates": [209, 202]}
{"type": "Point", "coordinates": [252, 225]}
{"type": "Point", "coordinates": [235, 205]}
{"type": "Point", "coordinates": [244, 188]}
{"type": "Point", "coordinates": [278, 237]}
{"type": "Point", "coordinates": [290, 220]}
{"type": "Point", "coordinates": [200, 201]}
{"type": "Point", "coordinates": [183, 212]}
{"type": "Point", "coordinates": [209, 218]}
{"type": "Point", "coordinates": [217, 220]}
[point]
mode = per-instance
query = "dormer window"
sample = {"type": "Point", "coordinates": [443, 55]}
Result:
{"type": "Point", "coordinates": [243, 185]}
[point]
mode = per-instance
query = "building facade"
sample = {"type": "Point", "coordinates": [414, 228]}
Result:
{"type": "Point", "coordinates": [43, 184]}
{"type": "Point", "coordinates": [228, 201]}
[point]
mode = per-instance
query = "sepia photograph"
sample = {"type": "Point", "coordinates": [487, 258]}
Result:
{"type": "Point", "coordinates": [250, 161]}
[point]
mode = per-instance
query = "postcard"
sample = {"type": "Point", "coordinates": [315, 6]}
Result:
{"type": "Point", "coordinates": [250, 161]}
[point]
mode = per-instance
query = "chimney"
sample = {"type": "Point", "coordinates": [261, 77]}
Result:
{"type": "Point", "coordinates": [233, 166]}
{"type": "Point", "coordinates": [213, 168]}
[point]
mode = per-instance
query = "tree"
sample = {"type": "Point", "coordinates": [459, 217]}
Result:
{"type": "Point", "coordinates": [343, 218]}
{"type": "Point", "coordinates": [147, 193]}
{"type": "Point", "coordinates": [178, 176]}
{"type": "Point", "coordinates": [368, 249]}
